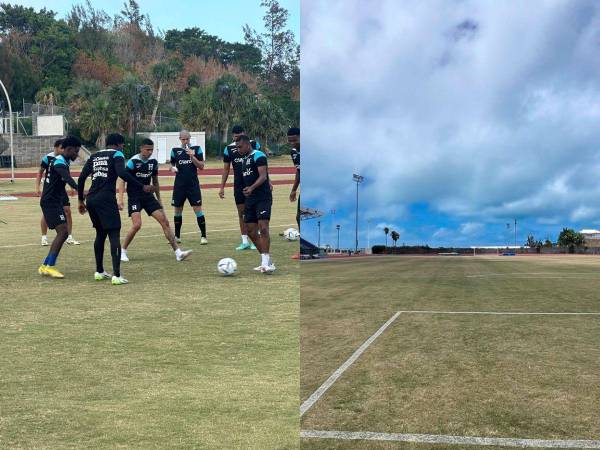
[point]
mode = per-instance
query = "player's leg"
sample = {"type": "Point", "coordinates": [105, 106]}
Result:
{"type": "Point", "coordinates": [114, 238]}
{"type": "Point", "coordinates": [240, 200]}
{"type": "Point", "coordinates": [264, 216]}
{"type": "Point", "coordinates": [136, 225]}
{"type": "Point", "coordinates": [194, 196]}
{"type": "Point", "coordinates": [99, 242]}
{"type": "Point", "coordinates": [62, 232]}
{"type": "Point", "coordinates": [161, 218]}
{"type": "Point", "coordinates": [177, 202]}
{"type": "Point", "coordinates": [44, 228]}
{"type": "Point", "coordinates": [70, 239]}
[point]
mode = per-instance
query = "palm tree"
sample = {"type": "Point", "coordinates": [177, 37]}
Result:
{"type": "Point", "coordinates": [395, 237]}
{"type": "Point", "coordinates": [97, 116]}
{"type": "Point", "coordinates": [197, 110]}
{"type": "Point", "coordinates": [231, 98]}
{"type": "Point", "coordinates": [163, 73]}
{"type": "Point", "coordinates": [386, 230]}
{"type": "Point", "coordinates": [133, 98]}
{"type": "Point", "coordinates": [47, 96]}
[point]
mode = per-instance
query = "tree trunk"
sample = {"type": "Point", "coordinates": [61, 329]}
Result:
{"type": "Point", "coordinates": [101, 141]}
{"type": "Point", "coordinates": [154, 111]}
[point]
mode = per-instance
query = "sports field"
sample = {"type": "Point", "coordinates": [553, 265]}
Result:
{"type": "Point", "coordinates": [179, 358]}
{"type": "Point", "coordinates": [385, 365]}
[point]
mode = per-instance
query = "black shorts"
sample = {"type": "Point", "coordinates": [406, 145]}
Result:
{"type": "Point", "coordinates": [257, 209]}
{"type": "Point", "coordinates": [66, 201]}
{"type": "Point", "coordinates": [191, 193]}
{"type": "Point", "coordinates": [238, 194]}
{"type": "Point", "coordinates": [104, 212]}
{"type": "Point", "coordinates": [146, 203]}
{"type": "Point", "coordinates": [54, 215]}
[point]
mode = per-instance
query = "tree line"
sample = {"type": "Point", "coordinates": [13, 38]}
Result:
{"type": "Point", "coordinates": [119, 73]}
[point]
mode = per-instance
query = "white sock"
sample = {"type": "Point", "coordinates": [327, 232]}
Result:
{"type": "Point", "coordinates": [264, 259]}
{"type": "Point", "coordinates": [70, 236]}
{"type": "Point", "coordinates": [244, 239]}
{"type": "Point", "coordinates": [177, 251]}
{"type": "Point", "coordinates": [123, 250]}
{"type": "Point", "coordinates": [44, 236]}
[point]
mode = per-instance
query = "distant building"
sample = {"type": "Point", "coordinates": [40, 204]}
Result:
{"type": "Point", "coordinates": [592, 237]}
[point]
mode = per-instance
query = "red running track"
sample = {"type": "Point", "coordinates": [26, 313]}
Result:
{"type": "Point", "coordinates": [164, 172]}
{"type": "Point", "coordinates": [168, 188]}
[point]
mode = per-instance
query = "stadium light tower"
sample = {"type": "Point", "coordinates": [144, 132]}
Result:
{"type": "Point", "coordinates": [337, 227]}
{"type": "Point", "coordinates": [10, 132]}
{"type": "Point", "coordinates": [357, 179]}
{"type": "Point", "coordinates": [319, 234]}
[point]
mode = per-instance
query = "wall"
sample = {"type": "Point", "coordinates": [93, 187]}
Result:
{"type": "Point", "coordinates": [29, 150]}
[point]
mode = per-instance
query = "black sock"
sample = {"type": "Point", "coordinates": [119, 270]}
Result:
{"type": "Point", "coordinates": [202, 224]}
{"type": "Point", "coordinates": [115, 251]}
{"type": "Point", "coordinates": [99, 250]}
{"type": "Point", "coordinates": [178, 223]}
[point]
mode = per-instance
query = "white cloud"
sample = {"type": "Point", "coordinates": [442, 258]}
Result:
{"type": "Point", "coordinates": [471, 228]}
{"type": "Point", "coordinates": [480, 109]}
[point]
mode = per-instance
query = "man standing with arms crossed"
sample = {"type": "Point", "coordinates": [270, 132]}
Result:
{"type": "Point", "coordinates": [185, 162]}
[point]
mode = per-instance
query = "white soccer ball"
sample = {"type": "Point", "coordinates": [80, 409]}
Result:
{"type": "Point", "coordinates": [227, 266]}
{"type": "Point", "coordinates": [291, 234]}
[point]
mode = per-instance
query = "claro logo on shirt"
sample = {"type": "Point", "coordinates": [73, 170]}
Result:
{"type": "Point", "coordinates": [185, 161]}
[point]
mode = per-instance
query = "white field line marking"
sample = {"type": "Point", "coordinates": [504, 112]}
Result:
{"type": "Point", "coordinates": [446, 439]}
{"type": "Point", "coordinates": [310, 401]}
{"type": "Point", "coordinates": [37, 244]}
{"type": "Point", "coordinates": [541, 274]}
{"type": "Point", "coordinates": [507, 313]}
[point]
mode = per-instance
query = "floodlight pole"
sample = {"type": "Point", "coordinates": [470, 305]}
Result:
{"type": "Point", "coordinates": [10, 124]}
{"type": "Point", "coordinates": [515, 232]}
{"type": "Point", "coordinates": [319, 234]}
{"type": "Point", "coordinates": [337, 227]}
{"type": "Point", "coordinates": [357, 179]}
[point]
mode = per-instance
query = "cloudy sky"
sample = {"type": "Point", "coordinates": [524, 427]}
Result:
{"type": "Point", "coordinates": [461, 115]}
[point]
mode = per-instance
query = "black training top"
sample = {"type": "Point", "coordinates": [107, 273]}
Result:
{"type": "Point", "coordinates": [252, 162]}
{"type": "Point", "coordinates": [187, 173]}
{"type": "Point", "coordinates": [56, 177]}
{"type": "Point", "coordinates": [105, 166]}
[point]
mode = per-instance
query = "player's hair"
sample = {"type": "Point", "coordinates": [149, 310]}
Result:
{"type": "Point", "coordinates": [146, 141]}
{"type": "Point", "coordinates": [58, 143]}
{"type": "Point", "coordinates": [237, 129]}
{"type": "Point", "coordinates": [70, 141]}
{"type": "Point", "coordinates": [244, 138]}
{"type": "Point", "coordinates": [293, 131]}
{"type": "Point", "coordinates": [114, 139]}
{"type": "Point", "coordinates": [184, 133]}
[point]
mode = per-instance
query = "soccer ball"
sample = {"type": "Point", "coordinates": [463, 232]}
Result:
{"type": "Point", "coordinates": [227, 266]}
{"type": "Point", "coordinates": [291, 234]}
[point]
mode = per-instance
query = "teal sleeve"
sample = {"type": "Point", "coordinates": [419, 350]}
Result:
{"type": "Point", "coordinates": [119, 154]}
{"type": "Point", "coordinates": [130, 164]}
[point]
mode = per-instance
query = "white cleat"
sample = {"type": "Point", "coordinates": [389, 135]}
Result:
{"type": "Point", "coordinates": [45, 242]}
{"type": "Point", "coordinates": [268, 269]}
{"type": "Point", "coordinates": [203, 241]}
{"type": "Point", "coordinates": [102, 276]}
{"type": "Point", "coordinates": [258, 268]}
{"type": "Point", "coordinates": [182, 254]}
{"type": "Point", "coordinates": [116, 281]}
{"type": "Point", "coordinates": [72, 241]}
{"type": "Point", "coordinates": [124, 257]}
{"type": "Point", "coordinates": [178, 240]}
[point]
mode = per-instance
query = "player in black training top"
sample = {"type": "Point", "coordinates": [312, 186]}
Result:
{"type": "Point", "coordinates": [185, 162]}
{"type": "Point", "coordinates": [294, 140]}
{"type": "Point", "coordinates": [44, 164]}
{"type": "Point", "coordinates": [52, 202]}
{"type": "Point", "coordinates": [257, 210]}
{"type": "Point", "coordinates": [233, 158]}
{"type": "Point", "coordinates": [145, 168]}
{"type": "Point", "coordinates": [105, 166]}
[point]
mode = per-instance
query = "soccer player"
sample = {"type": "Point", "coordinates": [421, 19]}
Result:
{"type": "Point", "coordinates": [52, 200]}
{"type": "Point", "coordinates": [185, 162]}
{"type": "Point", "coordinates": [145, 168]}
{"type": "Point", "coordinates": [105, 166]}
{"type": "Point", "coordinates": [231, 157]}
{"type": "Point", "coordinates": [46, 161]}
{"type": "Point", "coordinates": [293, 135]}
{"type": "Point", "coordinates": [257, 208]}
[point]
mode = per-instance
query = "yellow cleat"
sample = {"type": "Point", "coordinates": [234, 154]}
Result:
{"type": "Point", "coordinates": [52, 272]}
{"type": "Point", "coordinates": [42, 270]}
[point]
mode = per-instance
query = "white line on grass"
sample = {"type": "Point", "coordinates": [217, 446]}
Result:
{"type": "Point", "coordinates": [310, 401]}
{"type": "Point", "coordinates": [37, 244]}
{"type": "Point", "coordinates": [446, 439]}
{"type": "Point", "coordinates": [507, 313]}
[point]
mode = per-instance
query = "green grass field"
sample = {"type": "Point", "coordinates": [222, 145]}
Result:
{"type": "Point", "coordinates": [507, 376]}
{"type": "Point", "coordinates": [179, 358]}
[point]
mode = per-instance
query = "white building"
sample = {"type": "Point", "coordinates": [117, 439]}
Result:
{"type": "Point", "coordinates": [165, 141]}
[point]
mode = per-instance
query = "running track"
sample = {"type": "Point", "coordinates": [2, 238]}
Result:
{"type": "Point", "coordinates": [164, 172]}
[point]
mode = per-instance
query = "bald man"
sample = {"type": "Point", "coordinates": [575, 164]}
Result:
{"type": "Point", "coordinates": [185, 162]}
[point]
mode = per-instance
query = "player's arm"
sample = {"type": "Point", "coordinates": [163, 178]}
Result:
{"type": "Point", "coordinates": [38, 181]}
{"type": "Point", "coordinates": [63, 170]}
{"type": "Point", "coordinates": [173, 162]}
{"type": "Point", "coordinates": [295, 186]}
{"type": "Point", "coordinates": [156, 185]}
{"type": "Point", "coordinates": [85, 172]}
{"type": "Point", "coordinates": [121, 190]}
{"type": "Point", "coordinates": [262, 177]}
{"type": "Point", "coordinates": [197, 158]}
{"type": "Point", "coordinates": [226, 169]}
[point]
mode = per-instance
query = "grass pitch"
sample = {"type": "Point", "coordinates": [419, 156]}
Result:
{"type": "Point", "coordinates": [513, 376]}
{"type": "Point", "coordinates": [179, 358]}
